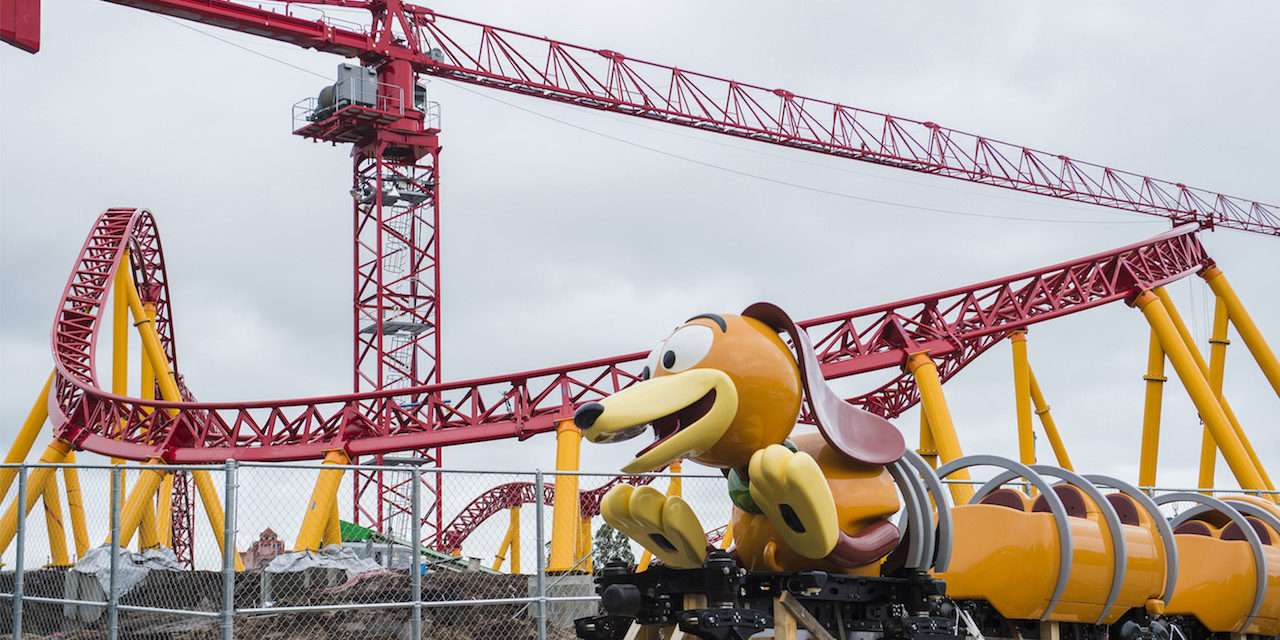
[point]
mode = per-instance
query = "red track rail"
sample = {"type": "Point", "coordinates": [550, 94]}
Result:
{"type": "Point", "coordinates": [514, 494]}
{"type": "Point", "coordinates": [954, 326]}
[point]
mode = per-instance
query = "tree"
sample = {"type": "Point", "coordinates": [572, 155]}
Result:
{"type": "Point", "coordinates": [611, 545]}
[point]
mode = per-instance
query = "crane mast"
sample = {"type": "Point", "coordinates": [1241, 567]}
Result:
{"type": "Point", "coordinates": [380, 108]}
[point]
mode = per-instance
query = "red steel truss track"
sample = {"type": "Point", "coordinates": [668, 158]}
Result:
{"type": "Point", "coordinates": [954, 326]}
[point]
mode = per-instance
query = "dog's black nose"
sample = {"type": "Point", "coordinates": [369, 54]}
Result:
{"type": "Point", "coordinates": [587, 414]}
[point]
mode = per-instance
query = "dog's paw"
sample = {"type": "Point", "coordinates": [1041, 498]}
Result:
{"type": "Point", "coordinates": [667, 527]}
{"type": "Point", "coordinates": [791, 490]}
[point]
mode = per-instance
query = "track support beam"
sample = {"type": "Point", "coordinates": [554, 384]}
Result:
{"type": "Point", "coordinates": [934, 405]}
{"type": "Point", "coordinates": [1243, 322]}
{"type": "Point", "coordinates": [55, 453]}
{"type": "Point", "coordinates": [1022, 397]}
{"type": "Point", "coordinates": [564, 512]}
{"type": "Point", "coordinates": [324, 497]}
{"type": "Point", "coordinates": [1198, 388]}
{"type": "Point", "coordinates": [1048, 423]}
{"type": "Point", "coordinates": [1154, 380]}
{"type": "Point", "coordinates": [1185, 334]}
{"type": "Point", "coordinates": [21, 447]}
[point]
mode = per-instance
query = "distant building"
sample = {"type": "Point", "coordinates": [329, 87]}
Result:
{"type": "Point", "coordinates": [261, 553]}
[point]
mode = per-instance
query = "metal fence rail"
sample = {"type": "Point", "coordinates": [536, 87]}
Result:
{"type": "Point", "coordinates": [390, 584]}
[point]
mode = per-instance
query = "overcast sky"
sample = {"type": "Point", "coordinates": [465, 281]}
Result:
{"type": "Point", "coordinates": [560, 244]}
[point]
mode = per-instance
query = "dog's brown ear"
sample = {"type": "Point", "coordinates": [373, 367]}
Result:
{"type": "Point", "coordinates": [861, 435]}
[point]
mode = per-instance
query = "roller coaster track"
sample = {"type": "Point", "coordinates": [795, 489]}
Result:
{"type": "Point", "coordinates": [954, 327]}
{"type": "Point", "coordinates": [515, 494]}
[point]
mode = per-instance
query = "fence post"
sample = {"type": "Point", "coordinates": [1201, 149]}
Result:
{"type": "Point", "coordinates": [415, 531]}
{"type": "Point", "coordinates": [20, 552]}
{"type": "Point", "coordinates": [229, 550]}
{"type": "Point", "coordinates": [541, 578]}
{"type": "Point", "coordinates": [113, 599]}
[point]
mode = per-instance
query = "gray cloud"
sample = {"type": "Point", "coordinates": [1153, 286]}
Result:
{"type": "Point", "coordinates": [562, 245]}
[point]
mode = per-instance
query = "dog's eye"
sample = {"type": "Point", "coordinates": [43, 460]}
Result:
{"type": "Point", "coordinates": [685, 348]}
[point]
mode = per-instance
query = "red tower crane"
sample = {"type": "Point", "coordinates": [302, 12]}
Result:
{"type": "Point", "coordinates": [379, 107]}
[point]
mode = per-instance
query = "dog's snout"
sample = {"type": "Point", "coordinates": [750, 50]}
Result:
{"type": "Point", "coordinates": [587, 414]}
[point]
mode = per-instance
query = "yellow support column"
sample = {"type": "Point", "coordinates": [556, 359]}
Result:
{"type": "Point", "coordinates": [727, 539]}
{"type": "Point", "coordinates": [332, 526]}
{"type": "Point", "coordinates": [1022, 397]}
{"type": "Point", "coordinates": [1217, 369]}
{"type": "Point", "coordinates": [1198, 388]}
{"type": "Point", "coordinates": [120, 328]}
{"type": "Point", "coordinates": [75, 506]}
{"type": "Point", "coordinates": [584, 546]}
{"type": "Point", "coordinates": [1243, 322]}
{"type": "Point", "coordinates": [149, 533]}
{"type": "Point", "coordinates": [514, 527]}
{"type": "Point", "coordinates": [153, 351]}
{"type": "Point", "coordinates": [510, 542]}
{"type": "Point", "coordinates": [1185, 334]}
{"type": "Point", "coordinates": [120, 343]}
{"type": "Point", "coordinates": [143, 493]}
{"type": "Point", "coordinates": [323, 498]}
{"type": "Point", "coordinates": [1046, 421]}
{"type": "Point", "coordinates": [213, 511]}
{"type": "Point", "coordinates": [53, 454]}
{"type": "Point", "coordinates": [564, 512]}
{"type": "Point", "coordinates": [21, 447]}
{"type": "Point", "coordinates": [928, 450]}
{"type": "Point", "coordinates": [53, 524]}
{"type": "Point", "coordinates": [934, 404]}
{"type": "Point", "coordinates": [164, 511]}
{"type": "Point", "coordinates": [1149, 459]}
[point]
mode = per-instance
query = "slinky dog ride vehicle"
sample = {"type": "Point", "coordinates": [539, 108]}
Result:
{"type": "Point", "coordinates": [813, 527]}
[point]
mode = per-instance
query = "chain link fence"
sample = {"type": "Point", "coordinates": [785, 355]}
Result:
{"type": "Point", "coordinates": [484, 565]}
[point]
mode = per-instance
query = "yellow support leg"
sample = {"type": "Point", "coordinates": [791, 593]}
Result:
{"type": "Point", "coordinates": [510, 542]}
{"type": "Point", "coordinates": [55, 453]}
{"type": "Point", "coordinates": [120, 328]}
{"type": "Point", "coordinates": [727, 539]}
{"type": "Point", "coordinates": [928, 450]}
{"type": "Point", "coordinates": [132, 513]}
{"type": "Point", "coordinates": [154, 353]}
{"type": "Point", "coordinates": [1149, 459]}
{"type": "Point", "coordinates": [120, 344]}
{"type": "Point", "coordinates": [1198, 388]}
{"type": "Point", "coordinates": [164, 511]}
{"type": "Point", "coordinates": [332, 526]}
{"type": "Point", "coordinates": [584, 546]}
{"type": "Point", "coordinates": [1217, 369]}
{"type": "Point", "coordinates": [53, 524]}
{"type": "Point", "coordinates": [1046, 421]}
{"type": "Point", "coordinates": [75, 506]}
{"type": "Point", "coordinates": [934, 404]}
{"type": "Point", "coordinates": [213, 511]}
{"type": "Point", "coordinates": [323, 499]}
{"type": "Point", "coordinates": [21, 447]}
{"type": "Point", "coordinates": [564, 513]}
{"type": "Point", "coordinates": [1022, 398]}
{"type": "Point", "coordinates": [148, 529]}
{"type": "Point", "coordinates": [1187, 340]}
{"type": "Point", "coordinates": [1243, 322]}
{"type": "Point", "coordinates": [514, 527]}
{"type": "Point", "coordinates": [151, 347]}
